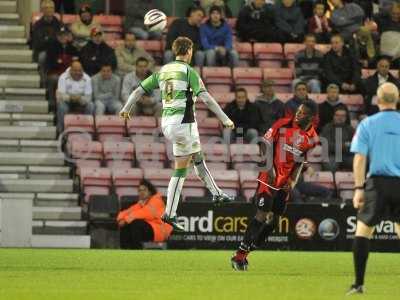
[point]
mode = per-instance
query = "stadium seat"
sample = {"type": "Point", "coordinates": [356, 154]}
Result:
{"type": "Point", "coordinates": [282, 78]}
{"type": "Point", "coordinates": [315, 155]}
{"type": "Point", "coordinates": [344, 180]}
{"type": "Point", "coordinates": [154, 47]}
{"type": "Point", "coordinates": [249, 78]}
{"type": "Point", "coordinates": [216, 153]}
{"type": "Point", "coordinates": [188, 192]}
{"type": "Point", "coordinates": [85, 163]}
{"type": "Point", "coordinates": [322, 178]}
{"type": "Point", "coordinates": [114, 43]}
{"type": "Point", "coordinates": [110, 127]}
{"type": "Point", "coordinates": [355, 103]}
{"type": "Point", "coordinates": [95, 190]}
{"type": "Point", "coordinates": [141, 125]}
{"type": "Point", "coordinates": [108, 20]}
{"type": "Point", "coordinates": [244, 153]}
{"type": "Point", "coordinates": [290, 50]}
{"type": "Point", "coordinates": [127, 177]}
{"type": "Point", "coordinates": [244, 166]}
{"type": "Point", "coordinates": [248, 179]}
{"type": "Point", "coordinates": [150, 164]}
{"type": "Point", "coordinates": [217, 79]}
{"type": "Point", "coordinates": [245, 51]}
{"type": "Point", "coordinates": [228, 180]}
{"type": "Point", "coordinates": [143, 138]}
{"type": "Point", "coordinates": [78, 137]}
{"type": "Point", "coordinates": [268, 55]}
{"type": "Point", "coordinates": [217, 166]}
{"type": "Point", "coordinates": [324, 48]}
{"type": "Point", "coordinates": [117, 151]}
{"type": "Point", "coordinates": [284, 97]}
{"type": "Point", "coordinates": [209, 126]}
{"type": "Point", "coordinates": [232, 22]}
{"type": "Point", "coordinates": [223, 98]}
{"type": "Point", "coordinates": [159, 178]}
{"type": "Point", "coordinates": [119, 164]}
{"type": "Point", "coordinates": [86, 150]}
{"type": "Point", "coordinates": [95, 177]}
{"type": "Point", "coordinates": [150, 151]}
{"type": "Point", "coordinates": [79, 124]}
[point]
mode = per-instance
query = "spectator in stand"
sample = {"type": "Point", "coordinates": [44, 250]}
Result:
{"type": "Point", "coordinates": [74, 93]}
{"type": "Point", "coordinates": [59, 57]}
{"type": "Point", "coordinates": [65, 6]}
{"type": "Point", "coordinates": [347, 18]}
{"type": "Point", "coordinates": [372, 83]}
{"type": "Point", "coordinates": [106, 91]}
{"type": "Point", "coordinates": [256, 23]}
{"type": "Point", "coordinates": [128, 53]}
{"type": "Point", "coordinates": [43, 33]}
{"type": "Point", "coordinates": [188, 27]}
{"type": "Point", "coordinates": [97, 53]}
{"type": "Point", "coordinates": [367, 7]}
{"type": "Point", "coordinates": [225, 9]}
{"type": "Point", "coordinates": [245, 115]}
{"type": "Point", "coordinates": [391, 22]}
{"type": "Point", "coordinates": [364, 47]}
{"type": "Point", "coordinates": [142, 221]}
{"type": "Point", "coordinates": [385, 6]}
{"type": "Point", "coordinates": [149, 105]}
{"type": "Point", "coordinates": [327, 108]}
{"type": "Point", "coordinates": [216, 40]}
{"type": "Point", "coordinates": [83, 27]}
{"type": "Point", "coordinates": [342, 67]}
{"type": "Point", "coordinates": [269, 106]}
{"type": "Point", "coordinates": [338, 134]}
{"type": "Point", "coordinates": [290, 22]}
{"type": "Point", "coordinates": [134, 15]}
{"type": "Point", "coordinates": [300, 96]}
{"type": "Point", "coordinates": [308, 65]}
{"type": "Point", "coordinates": [319, 24]}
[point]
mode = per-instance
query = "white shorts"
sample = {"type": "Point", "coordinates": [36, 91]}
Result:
{"type": "Point", "coordinates": [184, 138]}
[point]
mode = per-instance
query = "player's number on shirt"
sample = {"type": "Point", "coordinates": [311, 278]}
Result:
{"type": "Point", "coordinates": [169, 92]}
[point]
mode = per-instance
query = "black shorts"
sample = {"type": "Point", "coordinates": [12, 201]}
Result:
{"type": "Point", "coordinates": [274, 202]}
{"type": "Point", "coordinates": [382, 200]}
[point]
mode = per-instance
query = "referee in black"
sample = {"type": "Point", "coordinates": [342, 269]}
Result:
{"type": "Point", "coordinates": [377, 140]}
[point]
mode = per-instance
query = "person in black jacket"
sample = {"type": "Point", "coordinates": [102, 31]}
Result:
{"type": "Point", "coordinates": [341, 67]}
{"type": "Point", "coordinates": [290, 22]}
{"type": "Point", "coordinates": [187, 27]}
{"type": "Point", "coordinates": [372, 83]}
{"type": "Point", "coordinates": [256, 22]}
{"type": "Point", "coordinates": [327, 108]}
{"type": "Point", "coordinates": [59, 57]}
{"type": "Point", "coordinates": [96, 53]}
{"type": "Point", "coordinates": [245, 115]}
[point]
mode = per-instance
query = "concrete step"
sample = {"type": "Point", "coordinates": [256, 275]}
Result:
{"type": "Point", "coordinates": [39, 120]}
{"type": "Point", "coordinates": [41, 146]}
{"type": "Point", "coordinates": [21, 171]}
{"type": "Point", "coordinates": [57, 213]}
{"type": "Point", "coordinates": [9, 145]}
{"type": "Point", "coordinates": [31, 159]}
{"type": "Point", "coordinates": [24, 106]}
{"type": "Point", "coordinates": [12, 31]}
{"type": "Point", "coordinates": [9, 19]}
{"type": "Point", "coordinates": [56, 199]}
{"type": "Point", "coordinates": [59, 227]}
{"type": "Point", "coordinates": [8, 6]}
{"type": "Point", "coordinates": [28, 133]}
{"type": "Point", "coordinates": [24, 94]}
{"type": "Point", "coordinates": [39, 172]}
{"type": "Point", "coordinates": [11, 68]}
{"type": "Point", "coordinates": [36, 185]}
{"type": "Point", "coordinates": [17, 196]}
{"type": "Point", "coordinates": [13, 43]}
{"type": "Point", "coordinates": [61, 241]}
{"type": "Point", "coordinates": [18, 81]}
{"type": "Point", "coordinates": [16, 56]}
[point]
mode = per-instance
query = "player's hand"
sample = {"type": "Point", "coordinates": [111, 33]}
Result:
{"type": "Point", "coordinates": [358, 199]}
{"type": "Point", "coordinates": [125, 115]}
{"type": "Point", "coordinates": [229, 124]}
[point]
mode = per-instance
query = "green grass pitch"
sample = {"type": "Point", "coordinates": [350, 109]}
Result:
{"type": "Point", "coordinates": [112, 274]}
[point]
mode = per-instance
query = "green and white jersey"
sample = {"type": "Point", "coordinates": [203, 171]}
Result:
{"type": "Point", "coordinates": [180, 85]}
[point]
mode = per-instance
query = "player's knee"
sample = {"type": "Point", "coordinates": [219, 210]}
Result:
{"type": "Point", "coordinates": [198, 158]}
{"type": "Point", "coordinates": [364, 230]}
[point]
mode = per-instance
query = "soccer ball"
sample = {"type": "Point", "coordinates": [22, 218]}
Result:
{"type": "Point", "coordinates": [155, 20]}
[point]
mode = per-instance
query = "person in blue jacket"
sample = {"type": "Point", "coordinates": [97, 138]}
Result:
{"type": "Point", "coordinates": [216, 40]}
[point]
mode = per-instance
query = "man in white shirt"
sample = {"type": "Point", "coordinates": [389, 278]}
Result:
{"type": "Point", "coordinates": [74, 93]}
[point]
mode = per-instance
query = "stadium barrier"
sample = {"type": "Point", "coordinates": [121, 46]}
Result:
{"type": "Point", "coordinates": [314, 227]}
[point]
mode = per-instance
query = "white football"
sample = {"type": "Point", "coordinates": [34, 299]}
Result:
{"type": "Point", "coordinates": [155, 20]}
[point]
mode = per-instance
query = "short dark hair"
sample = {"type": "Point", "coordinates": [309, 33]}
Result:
{"type": "Point", "coordinates": [240, 89]}
{"type": "Point", "coordinates": [337, 35]}
{"type": "Point", "coordinates": [128, 33]}
{"type": "Point", "coordinates": [193, 9]}
{"type": "Point", "coordinates": [152, 189]}
{"type": "Point", "coordinates": [311, 106]}
{"type": "Point", "coordinates": [384, 57]}
{"type": "Point", "coordinates": [319, 3]}
{"type": "Point", "coordinates": [300, 83]}
{"type": "Point", "coordinates": [181, 46]}
{"type": "Point", "coordinates": [215, 8]}
{"type": "Point", "coordinates": [310, 35]}
{"type": "Point", "coordinates": [105, 65]}
{"type": "Point", "coordinates": [141, 59]}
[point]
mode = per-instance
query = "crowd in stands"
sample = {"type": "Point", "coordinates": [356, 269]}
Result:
{"type": "Point", "coordinates": [85, 72]}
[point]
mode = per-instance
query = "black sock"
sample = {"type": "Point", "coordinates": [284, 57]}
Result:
{"type": "Point", "coordinates": [360, 256]}
{"type": "Point", "coordinates": [266, 230]}
{"type": "Point", "coordinates": [251, 234]}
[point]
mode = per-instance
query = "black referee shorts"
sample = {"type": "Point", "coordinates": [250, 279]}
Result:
{"type": "Point", "coordinates": [382, 200]}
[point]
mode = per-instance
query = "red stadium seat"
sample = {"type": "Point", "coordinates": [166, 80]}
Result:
{"type": "Point", "coordinates": [216, 166]}
{"type": "Point", "coordinates": [86, 163]}
{"type": "Point", "coordinates": [268, 54]}
{"type": "Point", "coordinates": [86, 150]}
{"type": "Point", "coordinates": [126, 191]}
{"type": "Point", "coordinates": [322, 178]}
{"type": "Point", "coordinates": [127, 177]}
{"type": "Point", "coordinates": [150, 151]}
{"type": "Point", "coordinates": [110, 124]}
{"type": "Point", "coordinates": [143, 138]}
{"type": "Point", "coordinates": [249, 78]}
{"type": "Point", "coordinates": [160, 178]}
{"type": "Point", "coordinates": [141, 125]}
{"type": "Point", "coordinates": [290, 50]}
{"type": "Point", "coordinates": [119, 164]}
{"type": "Point", "coordinates": [209, 126]}
{"type": "Point", "coordinates": [192, 192]}
{"type": "Point", "coordinates": [218, 78]}
{"type": "Point", "coordinates": [95, 177]}
{"type": "Point", "coordinates": [315, 155]}
{"type": "Point", "coordinates": [248, 179]}
{"type": "Point", "coordinates": [284, 97]}
{"type": "Point", "coordinates": [115, 151]}
{"type": "Point", "coordinates": [228, 180]}
{"type": "Point", "coordinates": [282, 78]}
{"type": "Point", "coordinates": [114, 43]}
{"type": "Point", "coordinates": [244, 166]}
{"type": "Point", "coordinates": [79, 124]}
{"type": "Point", "coordinates": [154, 47]}
{"type": "Point", "coordinates": [216, 152]}
{"type": "Point", "coordinates": [108, 20]}
{"type": "Point", "coordinates": [344, 180]}
{"type": "Point", "coordinates": [245, 152]}
{"type": "Point", "coordinates": [245, 51]}
{"type": "Point", "coordinates": [355, 103]}
{"type": "Point", "coordinates": [231, 22]}
{"type": "Point", "coordinates": [94, 191]}
{"type": "Point", "coordinates": [151, 164]}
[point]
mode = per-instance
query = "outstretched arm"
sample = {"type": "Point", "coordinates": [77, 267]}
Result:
{"type": "Point", "coordinates": [216, 109]}
{"type": "Point", "coordinates": [134, 97]}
